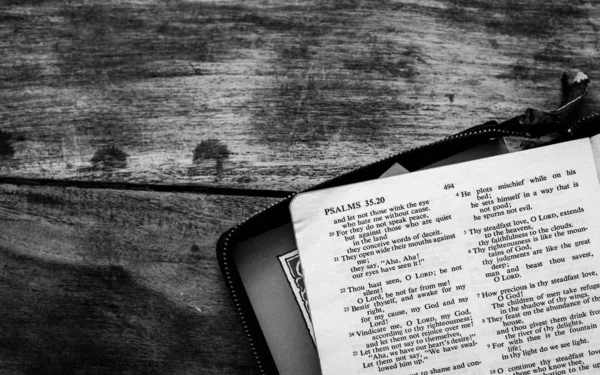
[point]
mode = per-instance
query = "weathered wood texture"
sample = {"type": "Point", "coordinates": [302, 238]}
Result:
{"type": "Point", "coordinates": [256, 94]}
{"type": "Point", "coordinates": [269, 94]}
{"type": "Point", "coordinates": [117, 282]}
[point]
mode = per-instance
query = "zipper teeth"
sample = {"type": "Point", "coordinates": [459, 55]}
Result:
{"type": "Point", "coordinates": [582, 121]}
{"type": "Point", "coordinates": [236, 300]}
{"type": "Point", "coordinates": [232, 231]}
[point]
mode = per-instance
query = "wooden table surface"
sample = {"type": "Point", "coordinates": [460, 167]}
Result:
{"type": "Point", "coordinates": [215, 109]}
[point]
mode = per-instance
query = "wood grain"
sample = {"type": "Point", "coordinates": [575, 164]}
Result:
{"type": "Point", "coordinates": [254, 94]}
{"type": "Point", "coordinates": [117, 282]}
{"type": "Point", "coordinates": [265, 94]}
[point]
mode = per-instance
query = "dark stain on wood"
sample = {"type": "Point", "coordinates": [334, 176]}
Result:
{"type": "Point", "coordinates": [520, 70]}
{"type": "Point", "coordinates": [494, 43]}
{"type": "Point", "coordinates": [110, 157]}
{"type": "Point", "coordinates": [40, 198]}
{"type": "Point", "coordinates": [211, 149]}
{"type": "Point", "coordinates": [514, 17]}
{"type": "Point", "coordinates": [6, 148]}
{"type": "Point", "coordinates": [245, 179]}
{"type": "Point", "coordinates": [196, 252]}
{"type": "Point", "coordinates": [25, 2]}
{"type": "Point", "coordinates": [12, 17]}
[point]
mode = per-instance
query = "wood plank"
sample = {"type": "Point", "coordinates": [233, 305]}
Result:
{"type": "Point", "coordinates": [265, 94]}
{"type": "Point", "coordinates": [117, 282]}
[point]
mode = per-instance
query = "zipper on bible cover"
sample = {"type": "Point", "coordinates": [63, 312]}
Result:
{"type": "Point", "coordinates": [516, 127]}
{"type": "Point", "coordinates": [225, 240]}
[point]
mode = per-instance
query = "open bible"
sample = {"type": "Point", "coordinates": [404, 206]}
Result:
{"type": "Point", "coordinates": [484, 267]}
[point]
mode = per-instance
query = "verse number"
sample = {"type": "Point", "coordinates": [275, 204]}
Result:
{"type": "Point", "coordinates": [448, 186]}
{"type": "Point", "coordinates": [374, 201]}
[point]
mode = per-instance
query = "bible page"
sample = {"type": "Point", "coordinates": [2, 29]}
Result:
{"type": "Point", "coordinates": [486, 267]}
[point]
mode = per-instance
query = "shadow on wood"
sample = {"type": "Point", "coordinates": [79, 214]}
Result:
{"type": "Point", "coordinates": [99, 281]}
{"type": "Point", "coordinates": [70, 319]}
